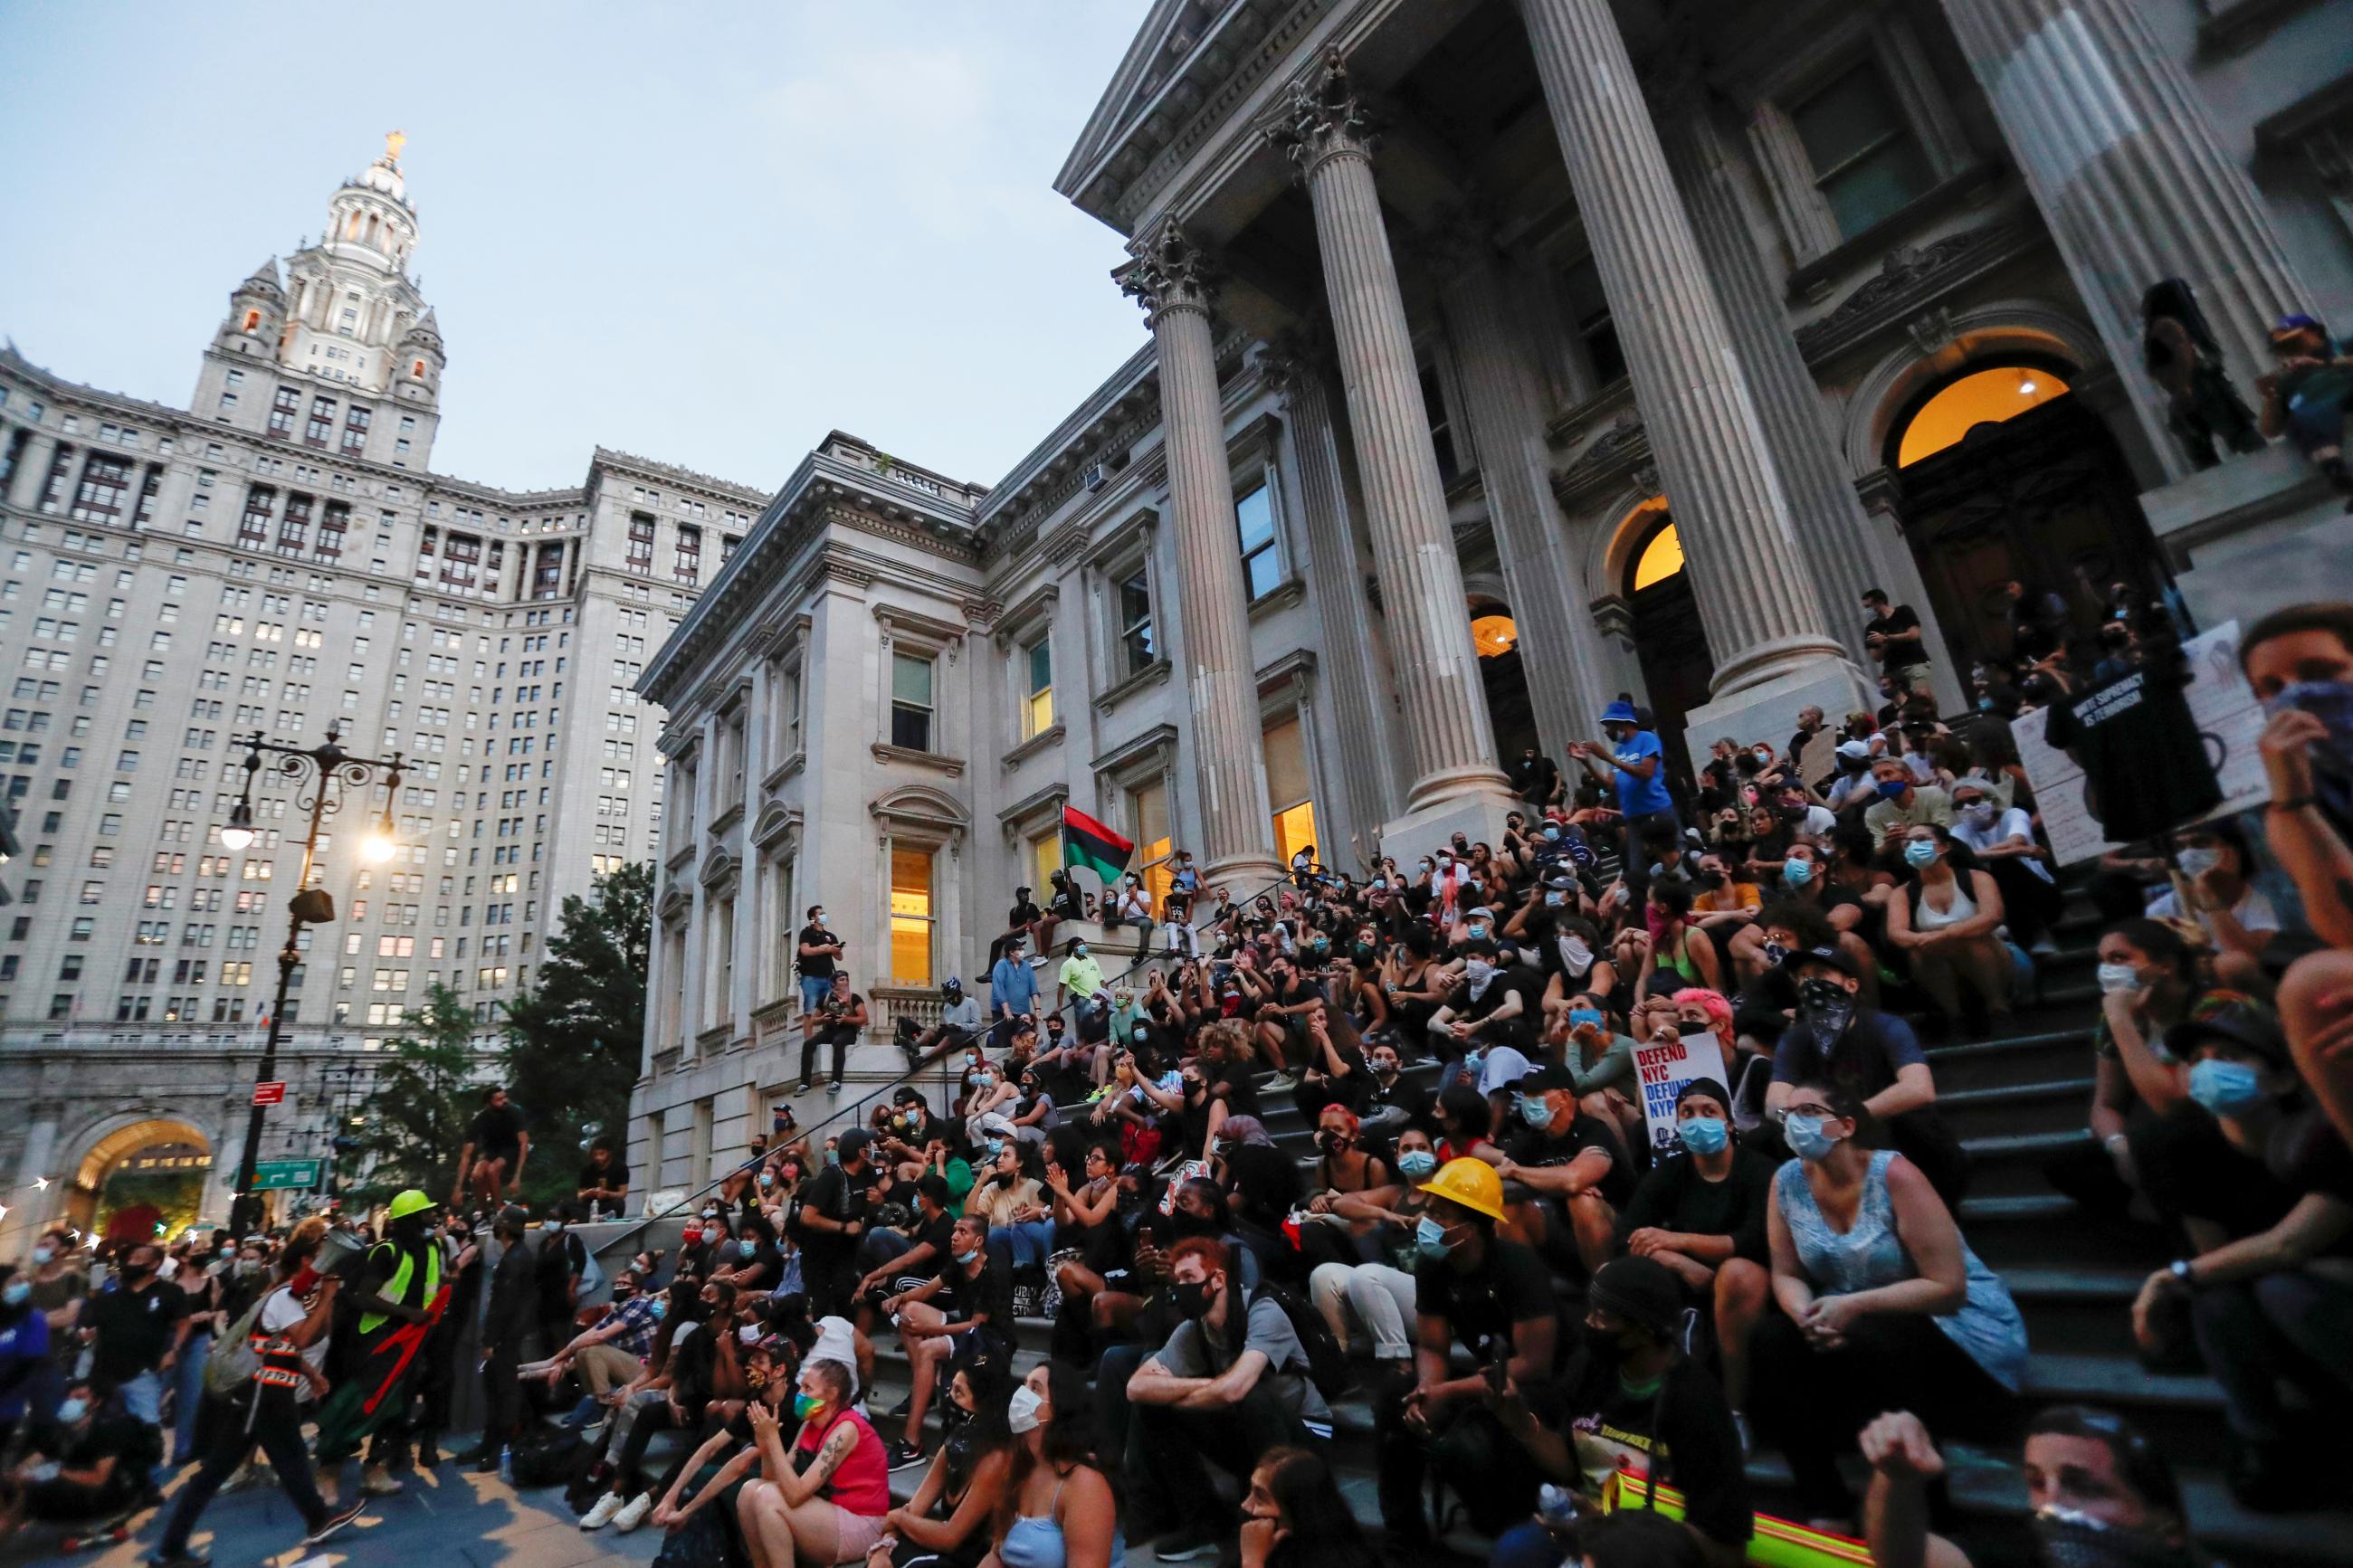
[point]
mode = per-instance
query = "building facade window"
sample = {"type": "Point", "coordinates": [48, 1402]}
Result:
{"type": "Point", "coordinates": [99, 497]}
{"type": "Point", "coordinates": [321, 423]}
{"type": "Point", "coordinates": [355, 429]}
{"type": "Point", "coordinates": [1288, 787]}
{"type": "Point", "coordinates": [910, 915]}
{"type": "Point", "coordinates": [1147, 807]}
{"type": "Point", "coordinates": [911, 701]}
{"type": "Point", "coordinates": [1139, 646]}
{"type": "Point", "coordinates": [1588, 317]}
{"type": "Point", "coordinates": [689, 569]}
{"type": "Point", "coordinates": [285, 407]}
{"type": "Point", "coordinates": [639, 556]}
{"type": "Point", "coordinates": [1261, 562]}
{"type": "Point", "coordinates": [1037, 687]}
{"type": "Point", "coordinates": [1867, 164]}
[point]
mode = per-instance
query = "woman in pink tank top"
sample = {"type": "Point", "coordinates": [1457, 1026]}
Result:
{"type": "Point", "coordinates": [824, 1499]}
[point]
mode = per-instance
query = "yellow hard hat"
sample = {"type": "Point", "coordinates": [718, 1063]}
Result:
{"type": "Point", "coordinates": [1471, 1183]}
{"type": "Point", "coordinates": [414, 1202]}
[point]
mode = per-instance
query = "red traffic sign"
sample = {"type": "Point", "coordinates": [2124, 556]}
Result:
{"type": "Point", "coordinates": [270, 1093]}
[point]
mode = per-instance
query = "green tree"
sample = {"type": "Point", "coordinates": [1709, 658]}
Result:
{"type": "Point", "coordinates": [574, 1040]}
{"type": "Point", "coordinates": [414, 1118]}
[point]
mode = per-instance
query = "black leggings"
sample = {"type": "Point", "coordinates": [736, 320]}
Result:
{"type": "Point", "coordinates": [839, 1038]}
{"type": "Point", "coordinates": [1810, 1403]}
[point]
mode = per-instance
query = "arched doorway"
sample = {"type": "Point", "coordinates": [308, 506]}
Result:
{"type": "Point", "coordinates": [1501, 670]}
{"type": "Point", "coordinates": [1669, 640]}
{"type": "Point", "coordinates": [2006, 476]}
{"type": "Point", "coordinates": [148, 1178]}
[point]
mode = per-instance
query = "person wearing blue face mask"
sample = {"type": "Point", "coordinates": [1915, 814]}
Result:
{"type": "Point", "coordinates": [1495, 1298]}
{"type": "Point", "coordinates": [1881, 1304]}
{"type": "Point", "coordinates": [1902, 805]}
{"type": "Point", "coordinates": [1376, 1298]}
{"type": "Point", "coordinates": [24, 1347]}
{"type": "Point", "coordinates": [1572, 1171]}
{"type": "Point", "coordinates": [1946, 924]}
{"type": "Point", "coordinates": [1631, 761]}
{"type": "Point", "coordinates": [1703, 1217]}
{"type": "Point", "coordinates": [2299, 661]}
{"type": "Point", "coordinates": [2257, 1303]}
{"type": "Point", "coordinates": [969, 1300]}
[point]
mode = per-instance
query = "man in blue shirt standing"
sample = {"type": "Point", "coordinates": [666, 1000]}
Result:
{"type": "Point", "coordinates": [1012, 993]}
{"type": "Point", "coordinates": [1634, 764]}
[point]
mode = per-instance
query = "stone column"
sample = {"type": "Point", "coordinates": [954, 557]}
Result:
{"type": "Point", "coordinates": [1175, 282]}
{"type": "Point", "coordinates": [2129, 174]}
{"type": "Point", "coordinates": [1336, 570]}
{"type": "Point", "coordinates": [32, 470]}
{"type": "Point", "coordinates": [1505, 415]}
{"type": "Point", "coordinates": [1763, 615]}
{"type": "Point", "coordinates": [1449, 746]}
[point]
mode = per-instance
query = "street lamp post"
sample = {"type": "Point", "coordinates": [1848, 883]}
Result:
{"type": "Point", "coordinates": [327, 770]}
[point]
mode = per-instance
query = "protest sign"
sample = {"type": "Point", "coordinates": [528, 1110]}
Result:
{"type": "Point", "coordinates": [1664, 1066]}
{"type": "Point", "coordinates": [2229, 721]}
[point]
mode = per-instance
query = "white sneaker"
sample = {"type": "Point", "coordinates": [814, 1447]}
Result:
{"type": "Point", "coordinates": [633, 1515]}
{"type": "Point", "coordinates": [600, 1516]}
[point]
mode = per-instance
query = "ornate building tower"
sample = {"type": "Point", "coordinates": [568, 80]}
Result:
{"type": "Point", "coordinates": [348, 350]}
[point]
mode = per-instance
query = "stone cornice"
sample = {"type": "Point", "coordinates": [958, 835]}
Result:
{"type": "Point", "coordinates": [1160, 740]}
{"type": "Point", "coordinates": [1620, 452]}
{"type": "Point", "coordinates": [1909, 280]}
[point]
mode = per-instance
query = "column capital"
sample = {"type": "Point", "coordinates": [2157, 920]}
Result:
{"type": "Point", "coordinates": [1291, 359]}
{"type": "Point", "coordinates": [1324, 116]}
{"type": "Point", "coordinates": [1169, 272]}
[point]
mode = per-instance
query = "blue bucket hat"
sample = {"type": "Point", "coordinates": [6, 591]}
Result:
{"type": "Point", "coordinates": [1620, 713]}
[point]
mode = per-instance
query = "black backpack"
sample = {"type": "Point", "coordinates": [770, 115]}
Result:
{"type": "Point", "coordinates": [549, 1462]}
{"type": "Point", "coordinates": [1327, 1363]}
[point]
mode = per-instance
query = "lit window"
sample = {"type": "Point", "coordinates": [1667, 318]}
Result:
{"type": "Point", "coordinates": [1037, 703]}
{"type": "Point", "coordinates": [911, 916]}
{"type": "Point", "coordinates": [1149, 812]}
{"type": "Point", "coordinates": [1980, 397]}
{"type": "Point", "coordinates": [1287, 788]}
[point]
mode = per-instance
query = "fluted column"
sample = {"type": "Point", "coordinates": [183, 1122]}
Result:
{"type": "Point", "coordinates": [2129, 172]}
{"type": "Point", "coordinates": [1335, 573]}
{"type": "Point", "coordinates": [1833, 535]}
{"type": "Point", "coordinates": [32, 470]}
{"type": "Point", "coordinates": [1558, 637]}
{"type": "Point", "coordinates": [1174, 281]}
{"type": "Point", "coordinates": [1763, 614]}
{"type": "Point", "coordinates": [1450, 744]}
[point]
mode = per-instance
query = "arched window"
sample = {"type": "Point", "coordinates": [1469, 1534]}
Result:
{"type": "Point", "coordinates": [1661, 557]}
{"type": "Point", "coordinates": [1986, 395]}
{"type": "Point", "coordinates": [252, 320]}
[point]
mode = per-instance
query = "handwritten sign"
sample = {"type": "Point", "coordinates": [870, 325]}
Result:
{"type": "Point", "coordinates": [1663, 1069]}
{"type": "Point", "coordinates": [2229, 721]}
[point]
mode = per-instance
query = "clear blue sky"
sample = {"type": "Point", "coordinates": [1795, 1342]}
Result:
{"type": "Point", "coordinates": [707, 233]}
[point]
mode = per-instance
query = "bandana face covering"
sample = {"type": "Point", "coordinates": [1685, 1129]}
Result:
{"type": "Point", "coordinates": [1826, 1009]}
{"type": "Point", "coordinates": [2072, 1540]}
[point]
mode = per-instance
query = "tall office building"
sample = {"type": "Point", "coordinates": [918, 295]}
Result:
{"type": "Point", "coordinates": [280, 557]}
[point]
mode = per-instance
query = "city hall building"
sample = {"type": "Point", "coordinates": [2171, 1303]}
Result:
{"type": "Point", "coordinates": [280, 557]}
{"type": "Point", "coordinates": [1505, 356]}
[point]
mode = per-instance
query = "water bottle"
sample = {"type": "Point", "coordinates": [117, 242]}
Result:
{"type": "Point", "coordinates": [506, 1465]}
{"type": "Point", "coordinates": [1557, 1508]}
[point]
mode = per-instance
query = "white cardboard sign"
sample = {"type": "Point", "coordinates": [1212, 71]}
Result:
{"type": "Point", "coordinates": [1663, 1069]}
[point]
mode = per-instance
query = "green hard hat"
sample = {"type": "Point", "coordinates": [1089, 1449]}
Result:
{"type": "Point", "coordinates": [408, 1202]}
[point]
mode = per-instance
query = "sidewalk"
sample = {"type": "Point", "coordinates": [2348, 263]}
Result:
{"type": "Point", "coordinates": [449, 1518]}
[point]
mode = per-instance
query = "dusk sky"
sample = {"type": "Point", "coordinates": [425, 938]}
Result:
{"type": "Point", "coordinates": [705, 234]}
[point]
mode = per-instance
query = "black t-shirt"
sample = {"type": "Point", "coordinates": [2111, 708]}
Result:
{"type": "Point", "coordinates": [832, 1194]}
{"type": "Point", "coordinates": [613, 1178]}
{"type": "Point", "coordinates": [1679, 1430]}
{"type": "Point", "coordinates": [111, 1434]}
{"type": "Point", "coordinates": [497, 1132]}
{"type": "Point", "coordinates": [1559, 1146]}
{"type": "Point", "coordinates": [134, 1329]}
{"type": "Point", "coordinates": [822, 966]}
{"type": "Point", "coordinates": [1518, 1031]}
{"type": "Point", "coordinates": [1891, 654]}
{"type": "Point", "coordinates": [2144, 765]}
{"type": "Point", "coordinates": [1267, 1182]}
{"type": "Point", "coordinates": [1509, 1287]}
{"type": "Point", "coordinates": [1676, 1196]}
{"type": "Point", "coordinates": [559, 1258]}
{"type": "Point", "coordinates": [837, 1011]}
{"type": "Point", "coordinates": [940, 1232]}
{"type": "Point", "coordinates": [960, 1298]}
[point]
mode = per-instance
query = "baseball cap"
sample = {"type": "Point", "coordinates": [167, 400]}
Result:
{"type": "Point", "coordinates": [1544, 1078]}
{"type": "Point", "coordinates": [853, 1144]}
{"type": "Point", "coordinates": [1857, 750]}
{"type": "Point", "coordinates": [2240, 1024]}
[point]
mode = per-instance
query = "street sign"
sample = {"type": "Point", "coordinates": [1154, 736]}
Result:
{"type": "Point", "coordinates": [269, 1175]}
{"type": "Point", "coordinates": [270, 1093]}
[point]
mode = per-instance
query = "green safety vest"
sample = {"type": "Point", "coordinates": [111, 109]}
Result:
{"type": "Point", "coordinates": [397, 1288]}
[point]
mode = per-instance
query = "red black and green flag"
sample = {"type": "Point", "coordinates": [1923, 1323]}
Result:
{"type": "Point", "coordinates": [1088, 844]}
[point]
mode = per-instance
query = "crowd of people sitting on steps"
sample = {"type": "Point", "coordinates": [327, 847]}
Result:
{"type": "Point", "coordinates": [1562, 1318]}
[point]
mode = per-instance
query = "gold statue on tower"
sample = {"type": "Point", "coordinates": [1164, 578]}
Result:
{"type": "Point", "coordinates": [393, 141]}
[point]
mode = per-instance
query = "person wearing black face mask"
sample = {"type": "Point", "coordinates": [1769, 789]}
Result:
{"type": "Point", "coordinates": [1873, 1056]}
{"type": "Point", "coordinates": [1634, 1401]}
{"type": "Point", "coordinates": [1230, 1385]}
